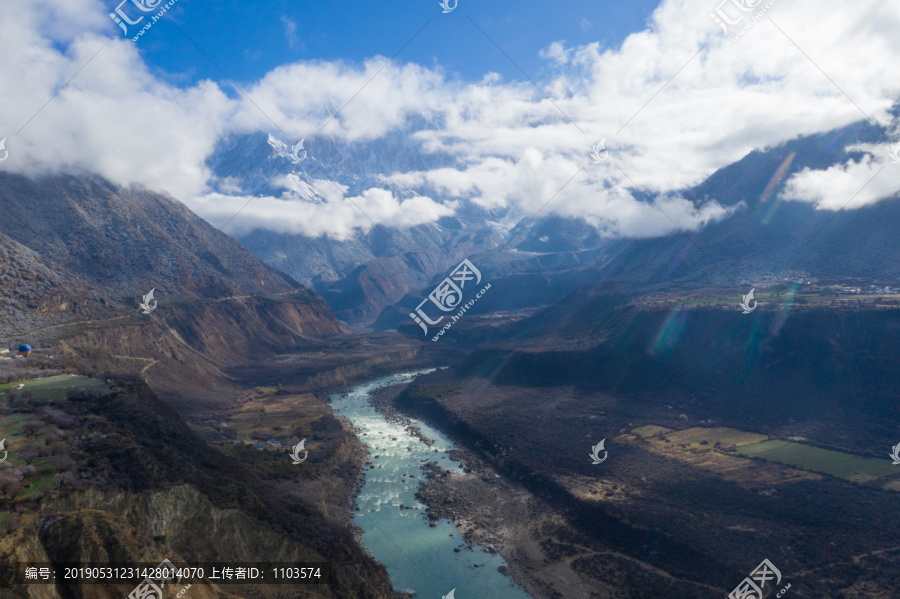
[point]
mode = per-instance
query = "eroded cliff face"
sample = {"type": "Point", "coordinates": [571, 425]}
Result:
{"type": "Point", "coordinates": [88, 537]}
{"type": "Point", "coordinates": [183, 521]}
{"type": "Point", "coordinates": [179, 522]}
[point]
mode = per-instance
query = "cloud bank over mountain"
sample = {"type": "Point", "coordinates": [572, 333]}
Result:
{"type": "Point", "coordinates": [674, 103]}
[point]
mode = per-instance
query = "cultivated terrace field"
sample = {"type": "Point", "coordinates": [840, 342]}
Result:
{"type": "Point", "coordinates": [855, 468]}
{"type": "Point", "coordinates": [38, 436]}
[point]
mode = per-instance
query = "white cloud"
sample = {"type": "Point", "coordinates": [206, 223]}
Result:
{"type": "Point", "coordinates": [854, 184]}
{"type": "Point", "coordinates": [514, 146]}
{"type": "Point", "coordinates": [557, 52]}
{"type": "Point", "coordinates": [337, 216]}
{"type": "Point", "coordinates": [290, 30]}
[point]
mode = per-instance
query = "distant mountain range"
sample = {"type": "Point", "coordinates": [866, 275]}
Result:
{"type": "Point", "coordinates": [767, 241]}
{"type": "Point", "coordinates": [360, 275]}
{"type": "Point", "coordinates": [375, 278]}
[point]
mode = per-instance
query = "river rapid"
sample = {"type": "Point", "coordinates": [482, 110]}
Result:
{"type": "Point", "coordinates": [419, 558]}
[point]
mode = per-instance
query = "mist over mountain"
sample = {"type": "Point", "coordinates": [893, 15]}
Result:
{"type": "Point", "coordinates": [363, 274]}
{"type": "Point", "coordinates": [367, 270]}
{"type": "Point", "coordinates": [767, 239]}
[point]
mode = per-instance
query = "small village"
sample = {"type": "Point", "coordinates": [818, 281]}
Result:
{"type": "Point", "coordinates": [270, 445]}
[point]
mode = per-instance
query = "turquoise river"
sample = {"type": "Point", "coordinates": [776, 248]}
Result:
{"type": "Point", "coordinates": [418, 557]}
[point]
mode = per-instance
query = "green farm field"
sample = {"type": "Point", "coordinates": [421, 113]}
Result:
{"type": "Point", "coordinates": [53, 387]}
{"type": "Point", "coordinates": [855, 468]}
{"type": "Point", "coordinates": [15, 441]}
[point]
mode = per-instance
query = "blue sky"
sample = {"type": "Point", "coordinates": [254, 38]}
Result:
{"type": "Point", "coordinates": [247, 39]}
{"type": "Point", "coordinates": [672, 97]}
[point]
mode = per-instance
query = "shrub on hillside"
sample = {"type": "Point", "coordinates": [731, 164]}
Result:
{"type": "Point", "coordinates": [33, 427]}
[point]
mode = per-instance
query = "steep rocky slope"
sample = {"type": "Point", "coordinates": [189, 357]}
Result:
{"type": "Point", "coordinates": [128, 240]}
{"type": "Point", "coordinates": [144, 488]}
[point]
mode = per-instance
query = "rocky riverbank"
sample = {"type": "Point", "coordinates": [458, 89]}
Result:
{"type": "Point", "coordinates": [383, 401]}
{"type": "Point", "coordinates": [487, 509]}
